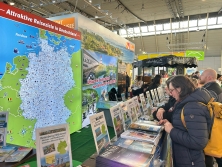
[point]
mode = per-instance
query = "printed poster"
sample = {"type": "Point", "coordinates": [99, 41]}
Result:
{"type": "Point", "coordinates": [3, 128]}
{"type": "Point", "coordinates": [100, 131]}
{"type": "Point", "coordinates": [53, 147]}
{"type": "Point", "coordinates": [117, 118]}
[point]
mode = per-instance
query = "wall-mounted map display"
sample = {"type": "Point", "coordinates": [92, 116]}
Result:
{"type": "Point", "coordinates": [40, 81]}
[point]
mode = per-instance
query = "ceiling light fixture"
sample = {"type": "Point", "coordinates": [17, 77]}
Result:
{"type": "Point", "coordinates": [90, 1]}
{"type": "Point", "coordinates": [11, 3]}
{"type": "Point", "coordinates": [32, 5]}
{"type": "Point", "coordinates": [98, 6]}
{"type": "Point", "coordinates": [40, 4]}
{"type": "Point", "coordinates": [53, 1]}
{"type": "Point", "coordinates": [142, 8]}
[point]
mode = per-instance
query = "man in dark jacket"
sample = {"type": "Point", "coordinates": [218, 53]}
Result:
{"type": "Point", "coordinates": [208, 79]}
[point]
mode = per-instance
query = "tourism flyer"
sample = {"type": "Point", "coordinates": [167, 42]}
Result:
{"type": "Point", "coordinates": [5, 151]}
{"type": "Point", "coordinates": [137, 106]}
{"type": "Point", "coordinates": [146, 126]}
{"type": "Point", "coordinates": [143, 104]}
{"type": "Point", "coordinates": [53, 147]}
{"type": "Point", "coordinates": [19, 154]}
{"type": "Point", "coordinates": [126, 115]}
{"type": "Point", "coordinates": [100, 131]}
{"type": "Point", "coordinates": [3, 128]}
{"type": "Point", "coordinates": [132, 109]}
{"type": "Point", "coordinates": [149, 100]}
{"type": "Point", "coordinates": [153, 96]}
{"type": "Point", "coordinates": [117, 118]}
{"type": "Point", "coordinates": [123, 96]}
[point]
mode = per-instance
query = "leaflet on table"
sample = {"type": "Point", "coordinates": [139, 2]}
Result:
{"type": "Point", "coordinates": [149, 100]}
{"type": "Point", "coordinates": [3, 128]}
{"type": "Point", "coordinates": [140, 146]}
{"type": "Point", "coordinates": [19, 154]}
{"type": "Point", "coordinates": [5, 151]}
{"type": "Point", "coordinates": [140, 135]}
{"type": "Point", "coordinates": [126, 115]}
{"type": "Point", "coordinates": [143, 103]}
{"type": "Point", "coordinates": [145, 126]}
{"type": "Point", "coordinates": [117, 118]}
{"type": "Point", "coordinates": [137, 106]}
{"type": "Point", "coordinates": [132, 109]}
{"type": "Point", "coordinates": [53, 147]}
{"type": "Point", "coordinates": [100, 131]}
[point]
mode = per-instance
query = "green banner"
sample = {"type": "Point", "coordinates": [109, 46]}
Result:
{"type": "Point", "coordinates": [195, 53]}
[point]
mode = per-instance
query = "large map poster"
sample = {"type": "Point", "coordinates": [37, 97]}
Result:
{"type": "Point", "coordinates": [40, 74]}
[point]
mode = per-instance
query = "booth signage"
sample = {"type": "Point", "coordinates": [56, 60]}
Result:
{"type": "Point", "coordinates": [195, 53]}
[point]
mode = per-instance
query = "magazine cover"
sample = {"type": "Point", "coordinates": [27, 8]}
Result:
{"type": "Point", "coordinates": [149, 100]}
{"type": "Point", "coordinates": [5, 151]}
{"type": "Point", "coordinates": [146, 126]}
{"type": "Point", "coordinates": [126, 115]}
{"type": "Point", "coordinates": [3, 128]}
{"type": "Point", "coordinates": [53, 147]}
{"type": "Point", "coordinates": [117, 118]}
{"type": "Point", "coordinates": [132, 109]}
{"type": "Point", "coordinates": [119, 155]}
{"type": "Point", "coordinates": [140, 146]}
{"type": "Point", "coordinates": [100, 131]}
{"type": "Point", "coordinates": [153, 96]}
{"type": "Point", "coordinates": [140, 135]}
{"type": "Point", "coordinates": [143, 104]}
{"type": "Point", "coordinates": [137, 105]}
{"type": "Point", "coordinates": [19, 154]}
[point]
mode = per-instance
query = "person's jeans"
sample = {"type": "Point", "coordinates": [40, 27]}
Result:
{"type": "Point", "coordinates": [219, 162]}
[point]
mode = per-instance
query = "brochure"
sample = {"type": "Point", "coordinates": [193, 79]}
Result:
{"type": "Point", "coordinates": [141, 135]}
{"type": "Point", "coordinates": [132, 109]}
{"type": "Point", "coordinates": [3, 128]}
{"type": "Point", "coordinates": [126, 115]}
{"type": "Point", "coordinates": [53, 147]}
{"type": "Point", "coordinates": [143, 103]}
{"type": "Point", "coordinates": [149, 100]}
{"type": "Point", "coordinates": [137, 106]}
{"type": "Point", "coordinates": [140, 146]}
{"type": "Point", "coordinates": [145, 126]}
{"type": "Point", "coordinates": [118, 156]}
{"type": "Point", "coordinates": [19, 154]}
{"type": "Point", "coordinates": [123, 96]}
{"type": "Point", "coordinates": [117, 118]}
{"type": "Point", "coordinates": [5, 151]}
{"type": "Point", "coordinates": [100, 131]}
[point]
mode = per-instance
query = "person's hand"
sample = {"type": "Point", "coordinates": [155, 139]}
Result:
{"type": "Point", "coordinates": [159, 113]}
{"type": "Point", "coordinates": [168, 126]}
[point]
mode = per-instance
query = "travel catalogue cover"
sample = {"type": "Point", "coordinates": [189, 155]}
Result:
{"type": "Point", "coordinates": [118, 156]}
{"type": "Point", "coordinates": [53, 147]}
{"type": "Point", "coordinates": [100, 131]}
{"type": "Point", "coordinates": [137, 105]}
{"type": "Point", "coordinates": [126, 115]}
{"type": "Point", "coordinates": [132, 109]}
{"type": "Point", "coordinates": [146, 126]}
{"type": "Point", "coordinates": [143, 104]}
{"type": "Point", "coordinates": [19, 154]}
{"type": "Point", "coordinates": [117, 118]}
{"type": "Point", "coordinates": [3, 128]}
{"type": "Point", "coordinates": [140, 146]}
{"type": "Point", "coordinates": [140, 135]}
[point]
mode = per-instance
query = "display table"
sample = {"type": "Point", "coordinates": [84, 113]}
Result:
{"type": "Point", "coordinates": [15, 164]}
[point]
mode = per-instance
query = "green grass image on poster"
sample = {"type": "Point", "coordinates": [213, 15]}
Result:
{"type": "Point", "coordinates": [195, 53]}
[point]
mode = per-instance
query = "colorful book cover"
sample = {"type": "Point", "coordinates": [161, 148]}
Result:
{"type": "Point", "coordinates": [126, 115]}
{"type": "Point", "coordinates": [118, 155]}
{"type": "Point", "coordinates": [139, 146]}
{"type": "Point", "coordinates": [143, 104]}
{"type": "Point", "coordinates": [100, 131]}
{"type": "Point", "coordinates": [5, 151]}
{"type": "Point", "coordinates": [149, 100]}
{"type": "Point", "coordinates": [117, 118]}
{"type": "Point", "coordinates": [132, 109]}
{"type": "Point", "coordinates": [145, 126]}
{"type": "Point", "coordinates": [140, 135]}
{"type": "Point", "coordinates": [53, 147]}
{"type": "Point", "coordinates": [19, 154]}
{"type": "Point", "coordinates": [3, 128]}
{"type": "Point", "coordinates": [137, 106]}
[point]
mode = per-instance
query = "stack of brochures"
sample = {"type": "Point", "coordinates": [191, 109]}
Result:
{"type": "Point", "coordinates": [13, 153]}
{"type": "Point", "coordinates": [122, 157]}
{"type": "Point", "coordinates": [146, 125]}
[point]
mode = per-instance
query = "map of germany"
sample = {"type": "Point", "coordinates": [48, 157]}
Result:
{"type": "Point", "coordinates": [40, 81]}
